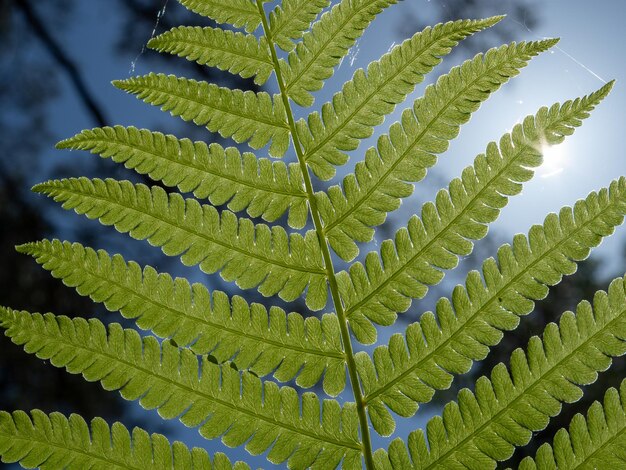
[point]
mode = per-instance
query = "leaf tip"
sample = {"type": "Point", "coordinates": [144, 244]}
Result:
{"type": "Point", "coordinates": [66, 144]}
{"type": "Point", "coordinates": [38, 188]}
{"type": "Point", "coordinates": [491, 21]}
{"type": "Point", "coordinates": [597, 96]}
{"type": "Point", "coordinates": [6, 315]}
{"type": "Point", "coordinates": [124, 85]}
{"type": "Point", "coordinates": [26, 248]}
{"type": "Point", "coordinates": [155, 43]}
{"type": "Point", "coordinates": [606, 89]}
{"type": "Point", "coordinates": [43, 188]}
{"type": "Point", "coordinates": [549, 42]}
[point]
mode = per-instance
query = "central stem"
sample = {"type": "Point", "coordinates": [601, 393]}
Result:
{"type": "Point", "coordinates": [328, 262]}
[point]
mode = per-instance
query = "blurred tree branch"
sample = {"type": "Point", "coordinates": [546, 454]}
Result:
{"type": "Point", "coordinates": [62, 58]}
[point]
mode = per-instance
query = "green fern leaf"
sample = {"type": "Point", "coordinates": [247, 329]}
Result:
{"type": "Point", "coordinates": [365, 100]}
{"type": "Point", "coordinates": [244, 116]}
{"type": "Point", "coordinates": [228, 329]}
{"type": "Point", "coordinates": [407, 371]}
{"type": "Point", "coordinates": [596, 442]}
{"type": "Point", "coordinates": [238, 53]}
{"type": "Point", "coordinates": [325, 45]}
{"type": "Point", "coordinates": [502, 412]}
{"type": "Point", "coordinates": [210, 359]}
{"type": "Point", "coordinates": [220, 401]}
{"type": "Point", "coordinates": [292, 18]}
{"type": "Point", "coordinates": [53, 441]}
{"type": "Point", "coordinates": [386, 285]}
{"type": "Point", "coordinates": [239, 13]}
{"type": "Point", "coordinates": [252, 255]}
{"type": "Point", "coordinates": [350, 212]}
{"type": "Point", "coordinates": [262, 187]}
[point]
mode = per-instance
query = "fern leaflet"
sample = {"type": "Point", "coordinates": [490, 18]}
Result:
{"type": "Point", "coordinates": [243, 115]}
{"type": "Point", "coordinates": [505, 409]}
{"type": "Point", "coordinates": [407, 371]}
{"type": "Point", "coordinates": [238, 53]}
{"type": "Point", "coordinates": [211, 355]}
{"type": "Point", "coordinates": [218, 400]}
{"type": "Point", "coordinates": [239, 13]}
{"type": "Point", "coordinates": [595, 442]}
{"type": "Point", "coordinates": [365, 100]}
{"type": "Point", "coordinates": [325, 44]}
{"type": "Point", "coordinates": [262, 187]}
{"type": "Point", "coordinates": [252, 337]}
{"type": "Point", "coordinates": [53, 441]}
{"type": "Point", "coordinates": [410, 148]}
{"type": "Point", "coordinates": [292, 18]}
{"type": "Point", "coordinates": [251, 255]}
{"type": "Point", "coordinates": [387, 283]}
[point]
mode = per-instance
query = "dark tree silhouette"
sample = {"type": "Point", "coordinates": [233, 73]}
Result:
{"type": "Point", "coordinates": [32, 53]}
{"type": "Point", "coordinates": [34, 61]}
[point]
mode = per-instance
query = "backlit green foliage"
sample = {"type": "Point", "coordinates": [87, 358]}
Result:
{"type": "Point", "coordinates": [54, 441]}
{"type": "Point", "coordinates": [213, 360]}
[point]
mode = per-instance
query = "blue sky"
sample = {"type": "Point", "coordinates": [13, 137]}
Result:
{"type": "Point", "coordinates": [589, 53]}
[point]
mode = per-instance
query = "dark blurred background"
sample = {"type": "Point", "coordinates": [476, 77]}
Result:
{"type": "Point", "coordinates": [56, 63]}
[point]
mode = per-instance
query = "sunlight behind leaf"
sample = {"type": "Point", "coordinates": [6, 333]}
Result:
{"type": "Point", "coordinates": [555, 158]}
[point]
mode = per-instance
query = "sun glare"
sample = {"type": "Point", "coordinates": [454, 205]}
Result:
{"type": "Point", "coordinates": [553, 160]}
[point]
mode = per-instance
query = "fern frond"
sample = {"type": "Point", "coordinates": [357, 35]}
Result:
{"type": "Point", "coordinates": [388, 282]}
{"type": "Point", "coordinates": [262, 187]}
{"type": "Point", "coordinates": [237, 53]}
{"type": "Point", "coordinates": [244, 116]}
{"type": "Point", "coordinates": [503, 411]}
{"type": "Point", "coordinates": [595, 442]}
{"type": "Point", "coordinates": [251, 255]}
{"type": "Point", "coordinates": [365, 100]}
{"type": "Point", "coordinates": [220, 401]}
{"type": "Point", "coordinates": [239, 13]}
{"type": "Point", "coordinates": [292, 18]}
{"type": "Point", "coordinates": [54, 441]}
{"type": "Point", "coordinates": [325, 45]}
{"type": "Point", "coordinates": [408, 371]}
{"type": "Point", "coordinates": [404, 155]}
{"type": "Point", "coordinates": [208, 323]}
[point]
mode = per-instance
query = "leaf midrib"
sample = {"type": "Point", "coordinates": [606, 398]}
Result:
{"type": "Point", "coordinates": [493, 298]}
{"type": "Point", "coordinates": [365, 448]}
{"type": "Point", "coordinates": [192, 391]}
{"type": "Point", "coordinates": [311, 271]}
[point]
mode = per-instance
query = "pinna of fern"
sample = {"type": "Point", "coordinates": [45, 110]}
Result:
{"type": "Point", "coordinates": [218, 363]}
